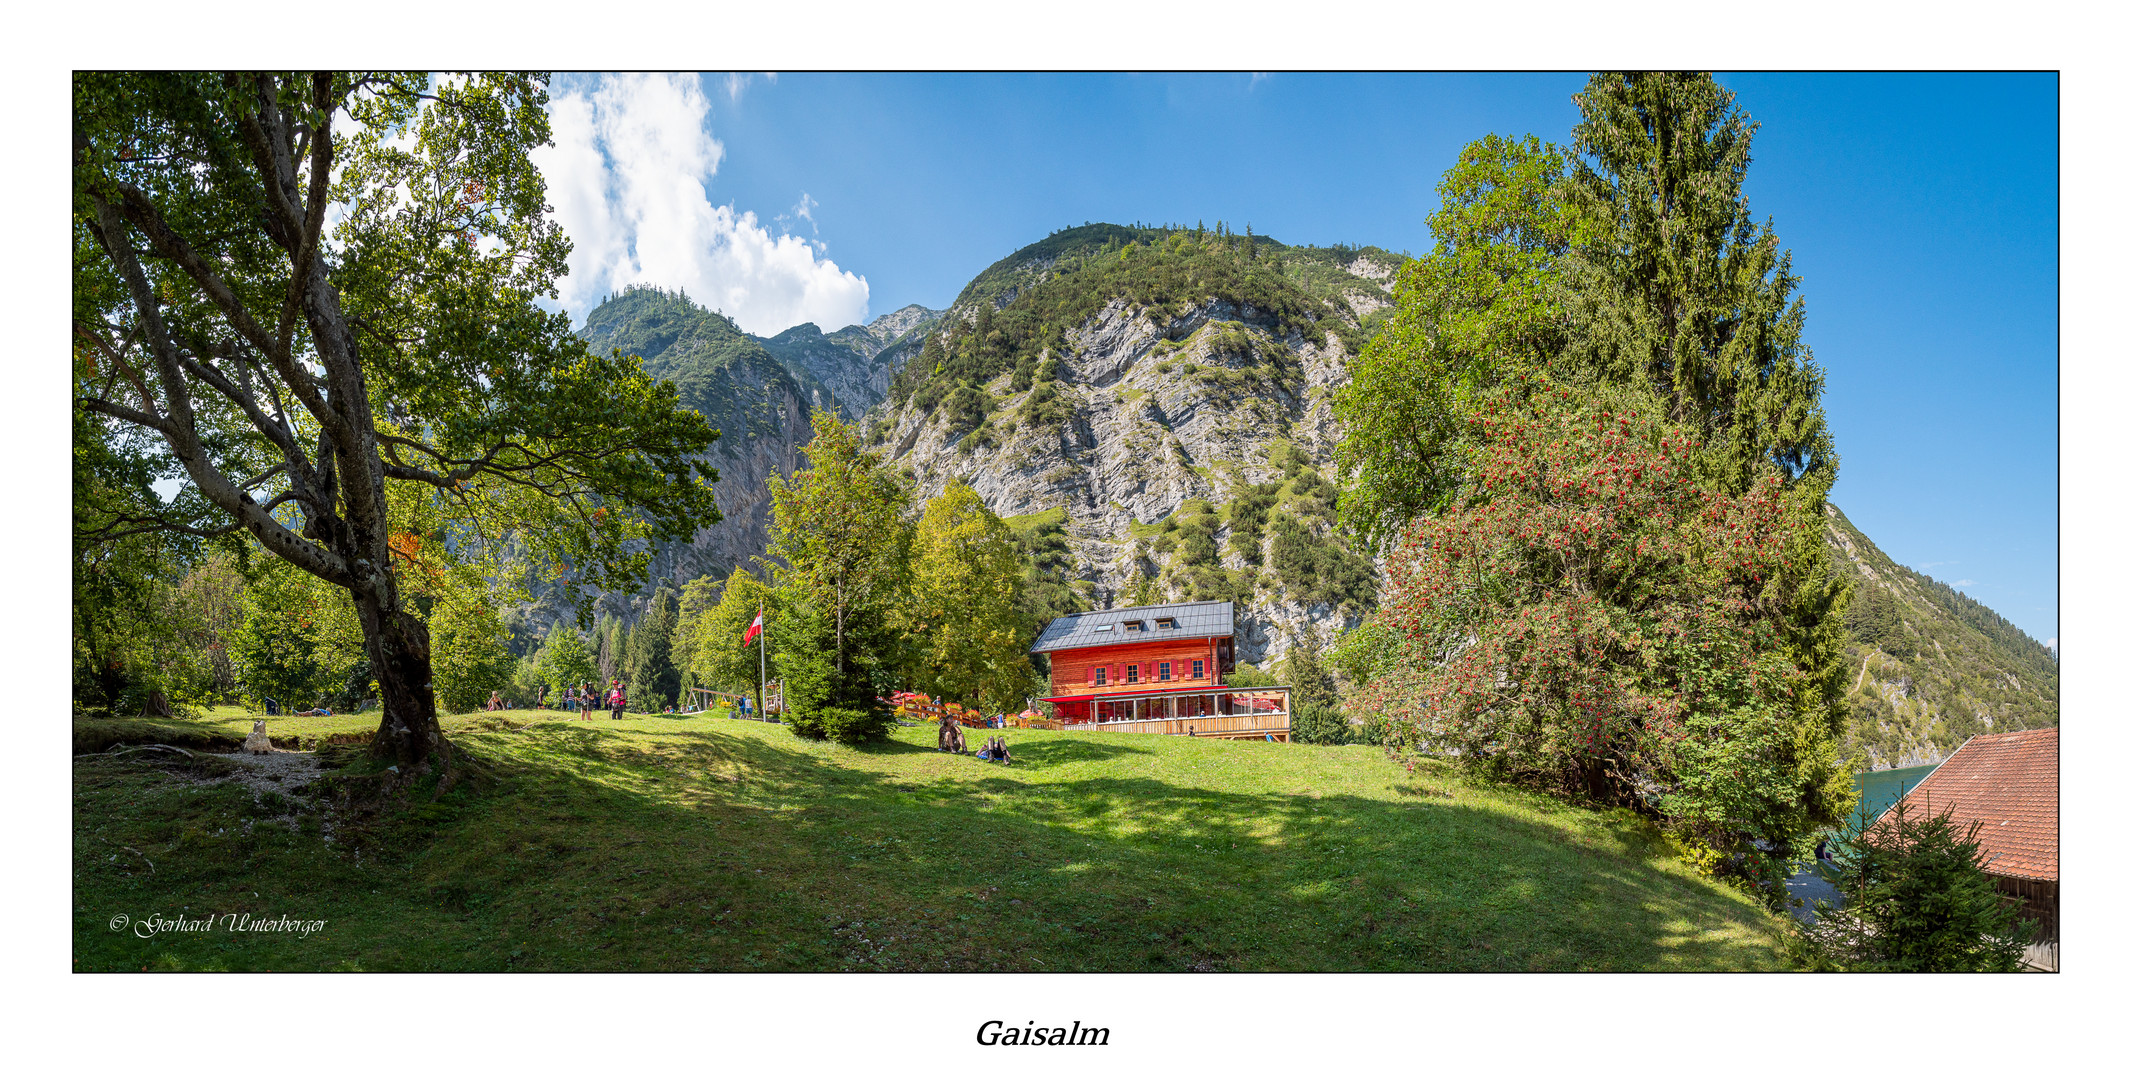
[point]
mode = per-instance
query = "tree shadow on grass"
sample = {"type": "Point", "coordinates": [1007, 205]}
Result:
{"type": "Point", "coordinates": [713, 850]}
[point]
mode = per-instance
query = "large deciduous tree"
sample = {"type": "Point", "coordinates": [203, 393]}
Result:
{"type": "Point", "coordinates": [964, 612]}
{"type": "Point", "coordinates": [1591, 614]}
{"type": "Point", "coordinates": [1483, 305]}
{"type": "Point", "coordinates": [292, 291]}
{"type": "Point", "coordinates": [710, 637]}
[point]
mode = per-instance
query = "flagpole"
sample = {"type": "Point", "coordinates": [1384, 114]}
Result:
{"type": "Point", "coordinates": [762, 641]}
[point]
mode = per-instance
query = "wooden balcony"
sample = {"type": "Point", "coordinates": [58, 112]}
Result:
{"type": "Point", "coordinates": [1256, 712]}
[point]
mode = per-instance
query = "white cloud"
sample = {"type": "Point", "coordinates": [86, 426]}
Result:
{"type": "Point", "coordinates": [736, 82]}
{"type": "Point", "coordinates": [629, 177]}
{"type": "Point", "coordinates": [2051, 644]}
{"type": "Point", "coordinates": [1963, 583]}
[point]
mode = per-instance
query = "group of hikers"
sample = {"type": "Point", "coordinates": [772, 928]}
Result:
{"type": "Point", "coordinates": [581, 700]}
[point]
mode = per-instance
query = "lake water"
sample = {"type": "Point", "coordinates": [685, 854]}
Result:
{"type": "Point", "coordinates": [1876, 791]}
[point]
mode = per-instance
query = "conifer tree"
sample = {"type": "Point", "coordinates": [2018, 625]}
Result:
{"type": "Point", "coordinates": [1680, 292]}
{"type": "Point", "coordinates": [840, 528]}
{"type": "Point", "coordinates": [650, 675]}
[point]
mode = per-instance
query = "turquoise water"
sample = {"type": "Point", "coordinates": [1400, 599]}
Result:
{"type": "Point", "coordinates": [1877, 791]}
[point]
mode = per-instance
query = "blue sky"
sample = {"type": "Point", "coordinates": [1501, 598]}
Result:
{"type": "Point", "coordinates": [1921, 212]}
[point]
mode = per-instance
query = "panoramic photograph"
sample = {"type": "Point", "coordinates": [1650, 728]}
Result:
{"type": "Point", "coordinates": [1064, 523]}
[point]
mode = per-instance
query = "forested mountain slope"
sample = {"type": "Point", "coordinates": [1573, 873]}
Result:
{"type": "Point", "coordinates": [759, 408]}
{"type": "Point", "coordinates": [1934, 667]}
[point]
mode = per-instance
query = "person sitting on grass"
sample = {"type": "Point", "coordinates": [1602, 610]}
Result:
{"type": "Point", "coordinates": [495, 701]}
{"type": "Point", "coordinates": [951, 736]}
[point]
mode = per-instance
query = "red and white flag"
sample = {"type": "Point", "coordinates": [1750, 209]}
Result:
{"type": "Point", "coordinates": [753, 629]}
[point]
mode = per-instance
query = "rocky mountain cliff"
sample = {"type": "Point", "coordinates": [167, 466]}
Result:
{"type": "Point", "coordinates": [849, 365]}
{"type": "Point", "coordinates": [1159, 400]}
{"type": "Point", "coordinates": [1933, 666]}
{"type": "Point", "coordinates": [759, 407]}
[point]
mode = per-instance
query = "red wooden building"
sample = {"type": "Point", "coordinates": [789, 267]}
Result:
{"type": "Point", "coordinates": [1159, 669]}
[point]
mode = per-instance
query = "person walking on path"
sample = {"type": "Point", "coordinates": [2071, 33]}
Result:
{"type": "Point", "coordinates": [587, 700]}
{"type": "Point", "coordinates": [617, 699]}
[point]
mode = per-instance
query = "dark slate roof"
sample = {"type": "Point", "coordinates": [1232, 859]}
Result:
{"type": "Point", "coordinates": [2008, 782]}
{"type": "Point", "coordinates": [1206, 618]}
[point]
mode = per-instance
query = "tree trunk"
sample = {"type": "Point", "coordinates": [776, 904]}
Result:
{"type": "Point", "coordinates": [398, 645]}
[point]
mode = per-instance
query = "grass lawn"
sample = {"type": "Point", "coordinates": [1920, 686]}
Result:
{"type": "Point", "coordinates": [693, 844]}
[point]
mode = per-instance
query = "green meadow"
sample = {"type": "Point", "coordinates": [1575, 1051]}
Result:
{"type": "Point", "coordinates": [691, 844]}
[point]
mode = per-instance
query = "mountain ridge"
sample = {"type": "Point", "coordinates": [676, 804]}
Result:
{"type": "Point", "coordinates": [1149, 408]}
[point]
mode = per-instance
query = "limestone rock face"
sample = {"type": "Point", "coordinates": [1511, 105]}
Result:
{"type": "Point", "coordinates": [845, 363]}
{"type": "Point", "coordinates": [761, 412]}
{"type": "Point", "coordinates": [1150, 409]}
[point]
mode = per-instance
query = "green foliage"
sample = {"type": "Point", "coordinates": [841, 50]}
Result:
{"type": "Point", "coordinates": [1324, 725]}
{"type": "Point", "coordinates": [848, 726]}
{"type": "Point", "coordinates": [1481, 306]}
{"type": "Point", "coordinates": [1679, 289]}
{"type": "Point", "coordinates": [965, 612]}
{"type": "Point", "coordinates": [469, 649]}
{"type": "Point", "coordinates": [1246, 520]}
{"type": "Point", "coordinates": [523, 686]}
{"type": "Point", "coordinates": [840, 528]}
{"type": "Point", "coordinates": [1304, 669]}
{"type": "Point", "coordinates": [649, 673]}
{"type": "Point", "coordinates": [565, 658]}
{"type": "Point", "coordinates": [711, 630]}
{"type": "Point", "coordinates": [1047, 573]}
{"type": "Point", "coordinates": [1043, 408]}
{"type": "Point", "coordinates": [299, 640]}
{"type": "Point", "coordinates": [1915, 897]}
{"type": "Point", "coordinates": [1592, 615]}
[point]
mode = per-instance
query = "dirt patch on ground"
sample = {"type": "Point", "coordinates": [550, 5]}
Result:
{"type": "Point", "coordinates": [283, 772]}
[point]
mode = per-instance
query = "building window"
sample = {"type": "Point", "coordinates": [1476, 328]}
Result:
{"type": "Point", "coordinates": [1101, 676]}
{"type": "Point", "coordinates": [1165, 671]}
{"type": "Point", "coordinates": [1131, 673]}
{"type": "Point", "coordinates": [1165, 623]}
{"type": "Point", "coordinates": [1134, 626]}
{"type": "Point", "coordinates": [1198, 669]}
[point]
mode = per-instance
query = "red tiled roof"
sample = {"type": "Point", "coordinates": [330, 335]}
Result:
{"type": "Point", "coordinates": [2009, 783]}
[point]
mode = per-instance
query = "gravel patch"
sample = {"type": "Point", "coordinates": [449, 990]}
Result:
{"type": "Point", "coordinates": [281, 771]}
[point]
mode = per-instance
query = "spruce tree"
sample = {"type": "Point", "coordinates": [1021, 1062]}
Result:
{"type": "Point", "coordinates": [1678, 291]}
{"type": "Point", "coordinates": [648, 666]}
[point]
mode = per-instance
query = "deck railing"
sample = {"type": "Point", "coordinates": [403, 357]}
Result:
{"type": "Point", "coordinates": [1246, 722]}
